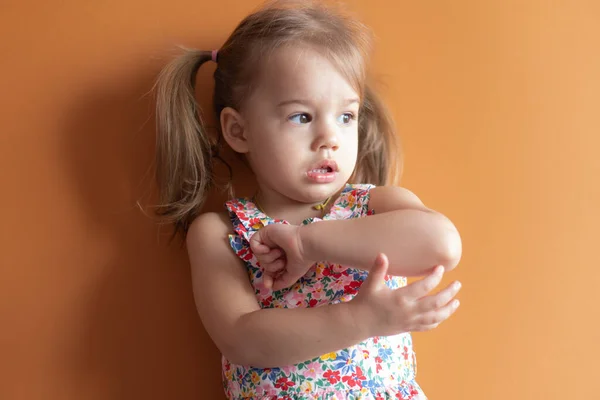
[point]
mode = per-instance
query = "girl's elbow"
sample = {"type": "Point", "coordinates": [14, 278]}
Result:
{"type": "Point", "coordinates": [231, 347]}
{"type": "Point", "coordinates": [242, 355]}
{"type": "Point", "coordinates": [231, 354]}
{"type": "Point", "coordinates": [450, 246]}
{"type": "Point", "coordinates": [238, 356]}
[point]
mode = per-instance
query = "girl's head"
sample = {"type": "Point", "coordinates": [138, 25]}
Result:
{"type": "Point", "coordinates": [291, 95]}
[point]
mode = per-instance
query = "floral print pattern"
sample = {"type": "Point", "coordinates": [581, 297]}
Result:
{"type": "Point", "coordinates": [375, 369]}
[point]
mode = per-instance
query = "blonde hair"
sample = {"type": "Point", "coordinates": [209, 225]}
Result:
{"type": "Point", "coordinates": [185, 151]}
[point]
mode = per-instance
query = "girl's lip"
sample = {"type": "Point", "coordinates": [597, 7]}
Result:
{"type": "Point", "coordinates": [327, 164]}
{"type": "Point", "coordinates": [318, 176]}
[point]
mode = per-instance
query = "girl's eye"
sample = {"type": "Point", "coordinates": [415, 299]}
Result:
{"type": "Point", "coordinates": [301, 118]}
{"type": "Point", "coordinates": [346, 118]}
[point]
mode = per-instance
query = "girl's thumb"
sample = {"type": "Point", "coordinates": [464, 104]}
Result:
{"type": "Point", "coordinates": [378, 271]}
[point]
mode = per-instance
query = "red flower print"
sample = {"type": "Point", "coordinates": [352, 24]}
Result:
{"type": "Point", "coordinates": [329, 272]}
{"type": "Point", "coordinates": [267, 302]}
{"type": "Point", "coordinates": [413, 392]}
{"type": "Point", "coordinates": [349, 380]}
{"type": "Point", "coordinates": [312, 302]}
{"type": "Point", "coordinates": [332, 376]}
{"type": "Point", "coordinates": [405, 353]}
{"type": "Point", "coordinates": [352, 287]}
{"type": "Point", "coordinates": [284, 383]}
{"type": "Point", "coordinates": [378, 362]}
{"type": "Point", "coordinates": [359, 374]}
{"type": "Point", "coordinates": [254, 221]}
{"type": "Point", "coordinates": [245, 254]}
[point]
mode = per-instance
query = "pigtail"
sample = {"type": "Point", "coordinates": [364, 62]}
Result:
{"type": "Point", "coordinates": [183, 147]}
{"type": "Point", "coordinates": [379, 154]}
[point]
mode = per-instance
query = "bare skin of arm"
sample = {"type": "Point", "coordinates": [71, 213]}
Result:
{"type": "Point", "coordinates": [414, 237]}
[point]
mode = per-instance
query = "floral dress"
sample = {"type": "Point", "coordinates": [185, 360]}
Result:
{"type": "Point", "coordinates": [377, 368]}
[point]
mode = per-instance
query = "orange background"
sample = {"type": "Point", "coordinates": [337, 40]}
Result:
{"type": "Point", "coordinates": [498, 103]}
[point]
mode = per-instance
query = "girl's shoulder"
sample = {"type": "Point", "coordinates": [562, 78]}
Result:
{"type": "Point", "coordinates": [390, 198]}
{"type": "Point", "coordinates": [209, 227]}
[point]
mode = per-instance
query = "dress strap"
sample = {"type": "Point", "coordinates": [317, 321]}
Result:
{"type": "Point", "coordinates": [353, 202]}
{"type": "Point", "coordinates": [246, 217]}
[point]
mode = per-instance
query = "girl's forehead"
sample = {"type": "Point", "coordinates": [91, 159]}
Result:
{"type": "Point", "coordinates": [301, 71]}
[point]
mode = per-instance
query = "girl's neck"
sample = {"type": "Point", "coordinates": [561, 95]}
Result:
{"type": "Point", "coordinates": [291, 211]}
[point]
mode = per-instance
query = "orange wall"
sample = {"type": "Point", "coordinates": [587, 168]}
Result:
{"type": "Point", "coordinates": [499, 107]}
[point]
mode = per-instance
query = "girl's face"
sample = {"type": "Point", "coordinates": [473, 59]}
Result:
{"type": "Point", "coordinates": [301, 126]}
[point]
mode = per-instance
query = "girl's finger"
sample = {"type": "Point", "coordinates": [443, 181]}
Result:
{"type": "Point", "coordinates": [421, 288]}
{"type": "Point", "coordinates": [275, 267]}
{"type": "Point", "coordinates": [271, 256]}
{"type": "Point", "coordinates": [378, 272]}
{"type": "Point", "coordinates": [267, 281]}
{"type": "Point", "coordinates": [259, 248]}
{"type": "Point", "coordinates": [285, 280]}
{"type": "Point", "coordinates": [424, 328]}
{"type": "Point", "coordinates": [440, 299]}
{"type": "Point", "coordinates": [440, 315]}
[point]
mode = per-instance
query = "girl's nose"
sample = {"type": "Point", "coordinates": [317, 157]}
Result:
{"type": "Point", "coordinates": [326, 138]}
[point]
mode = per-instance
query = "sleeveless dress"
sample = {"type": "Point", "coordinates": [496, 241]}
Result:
{"type": "Point", "coordinates": [377, 368]}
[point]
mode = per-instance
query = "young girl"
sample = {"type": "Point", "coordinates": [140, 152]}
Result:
{"type": "Point", "coordinates": [301, 286]}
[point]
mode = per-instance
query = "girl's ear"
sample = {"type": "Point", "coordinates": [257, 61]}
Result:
{"type": "Point", "coordinates": [232, 126]}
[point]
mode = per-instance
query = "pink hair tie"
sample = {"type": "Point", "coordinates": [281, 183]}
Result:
{"type": "Point", "coordinates": [214, 55]}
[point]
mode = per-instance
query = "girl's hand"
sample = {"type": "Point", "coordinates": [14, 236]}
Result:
{"type": "Point", "coordinates": [278, 249]}
{"type": "Point", "coordinates": [389, 312]}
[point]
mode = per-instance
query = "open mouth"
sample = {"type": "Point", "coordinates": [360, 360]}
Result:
{"type": "Point", "coordinates": [324, 171]}
{"type": "Point", "coordinates": [324, 167]}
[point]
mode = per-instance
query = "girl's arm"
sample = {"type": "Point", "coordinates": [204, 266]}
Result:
{"type": "Point", "coordinates": [244, 333]}
{"type": "Point", "coordinates": [248, 335]}
{"type": "Point", "coordinates": [414, 238]}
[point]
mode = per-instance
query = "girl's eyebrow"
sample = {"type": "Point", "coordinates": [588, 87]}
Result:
{"type": "Point", "coordinates": [294, 101]}
{"type": "Point", "coordinates": [346, 102]}
{"type": "Point", "coordinates": [353, 100]}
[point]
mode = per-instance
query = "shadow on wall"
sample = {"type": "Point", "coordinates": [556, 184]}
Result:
{"type": "Point", "coordinates": [138, 335]}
